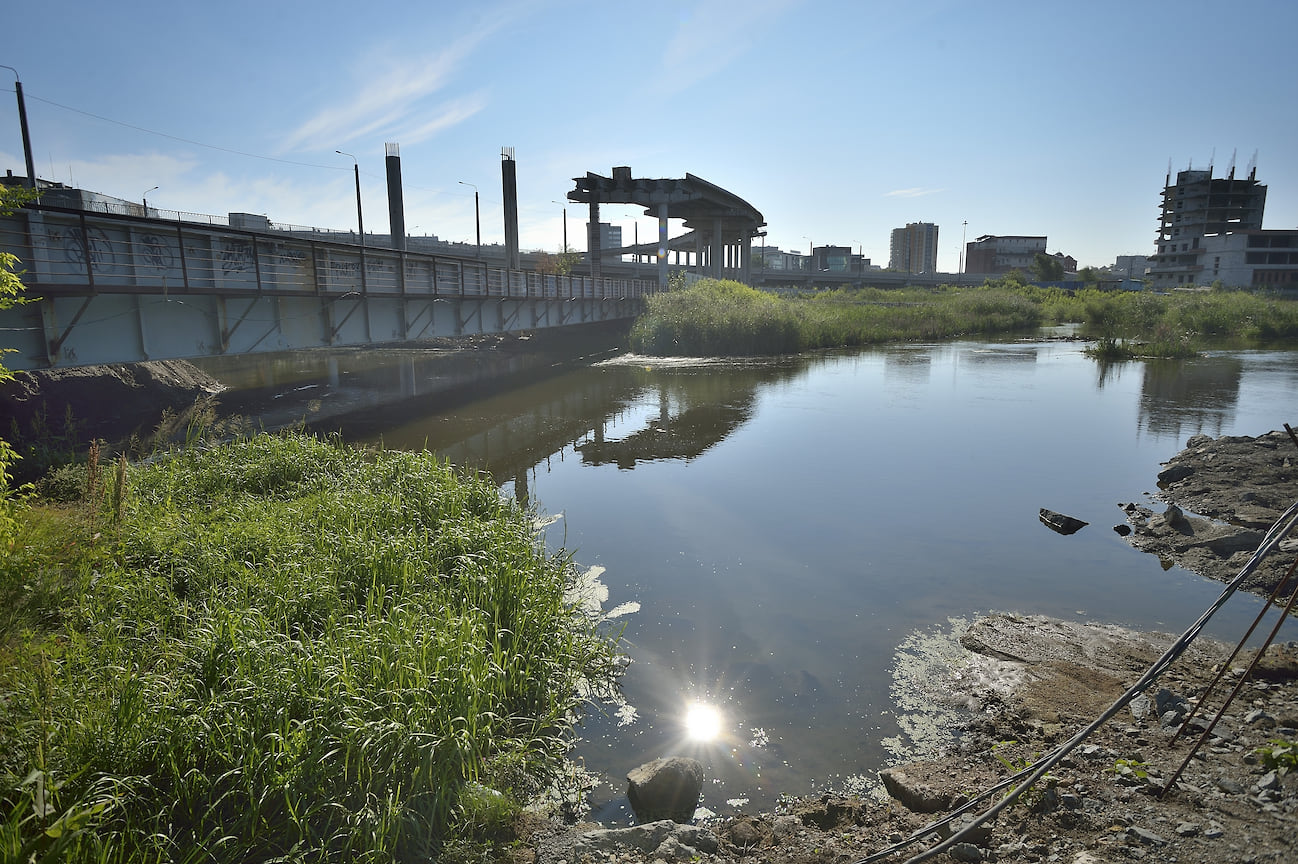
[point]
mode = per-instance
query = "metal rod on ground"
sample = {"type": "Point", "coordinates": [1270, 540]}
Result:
{"type": "Point", "coordinates": [1239, 646]}
{"type": "Point", "coordinates": [1292, 435]}
{"type": "Point", "coordinates": [1239, 685]}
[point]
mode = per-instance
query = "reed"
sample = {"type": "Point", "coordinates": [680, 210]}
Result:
{"type": "Point", "coordinates": [286, 649]}
{"type": "Point", "coordinates": [722, 317]}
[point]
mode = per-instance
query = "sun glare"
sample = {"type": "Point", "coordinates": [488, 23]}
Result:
{"type": "Point", "coordinates": [702, 722]}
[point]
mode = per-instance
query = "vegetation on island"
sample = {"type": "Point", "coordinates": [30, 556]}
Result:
{"type": "Point", "coordinates": [726, 318]}
{"type": "Point", "coordinates": [280, 649]}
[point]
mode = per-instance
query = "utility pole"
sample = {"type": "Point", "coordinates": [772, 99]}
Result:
{"type": "Point", "coordinates": [22, 123]}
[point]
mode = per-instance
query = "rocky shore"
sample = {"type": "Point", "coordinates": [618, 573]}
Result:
{"type": "Point", "coordinates": [1030, 684]}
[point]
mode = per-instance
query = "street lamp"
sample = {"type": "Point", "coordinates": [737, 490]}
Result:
{"type": "Point", "coordinates": [964, 231]}
{"type": "Point", "coordinates": [145, 199]}
{"type": "Point", "coordinates": [565, 223]}
{"type": "Point", "coordinates": [360, 219]}
{"type": "Point", "coordinates": [811, 252]}
{"type": "Point", "coordinates": [477, 215]}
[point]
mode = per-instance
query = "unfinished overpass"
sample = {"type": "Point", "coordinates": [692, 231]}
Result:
{"type": "Point", "coordinates": [722, 225]}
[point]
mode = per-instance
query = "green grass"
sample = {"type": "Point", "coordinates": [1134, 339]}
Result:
{"type": "Point", "coordinates": [725, 318]}
{"type": "Point", "coordinates": [280, 648]}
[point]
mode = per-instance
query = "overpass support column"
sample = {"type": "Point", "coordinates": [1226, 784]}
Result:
{"type": "Point", "coordinates": [662, 246]}
{"type": "Point", "coordinates": [746, 261]}
{"type": "Point", "coordinates": [593, 252]}
{"type": "Point", "coordinates": [718, 249]}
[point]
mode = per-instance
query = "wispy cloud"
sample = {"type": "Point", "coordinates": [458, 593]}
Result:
{"type": "Point", "coordinates": [396, 93]}
{"type": "Point", "coordinates": [444, 117]}
{"type": "Point", "coordinates": [912, 192]}
{"type": "Point", "coordinates": [710, 36]}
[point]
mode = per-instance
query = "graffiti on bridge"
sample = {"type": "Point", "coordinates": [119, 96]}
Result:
{"type": "Point", "coordinates": [74, 244]}
{"type": "Point", "coordinates": [155, 251]}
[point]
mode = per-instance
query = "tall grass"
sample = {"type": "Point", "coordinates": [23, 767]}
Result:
{"type": "Point", "coordinates": [720, 318]}
{"type": "Point", "coordinates": [281, 649]}
{"type": "Point", "coordinates": [723, 317]}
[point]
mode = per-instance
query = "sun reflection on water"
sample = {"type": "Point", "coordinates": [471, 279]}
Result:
{"type": "Point", "coordinates": [702, 722]}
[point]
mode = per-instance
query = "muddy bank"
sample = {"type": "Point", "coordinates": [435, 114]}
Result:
{"type": "Point", "coordinates": [1222, 496]}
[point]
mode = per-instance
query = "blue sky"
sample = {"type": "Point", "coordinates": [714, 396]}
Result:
{"type": "Point", "coordinates": [839, 121]}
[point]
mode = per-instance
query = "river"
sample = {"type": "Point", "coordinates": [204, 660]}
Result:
{"type": "Point", "coordinates": [775, 536]}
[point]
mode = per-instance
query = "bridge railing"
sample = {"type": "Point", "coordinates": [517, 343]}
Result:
{"type": "Point", "coordinates": [73, 252]}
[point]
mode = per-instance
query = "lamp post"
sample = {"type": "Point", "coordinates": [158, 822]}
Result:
{"type": "Point", "coordinates": [964, 231]}
{"type": "Point", "coordinates": [477, 215]}
{"type": "Point", "coordinates": [811, 253]}
{"type": "Point", "coordinates": [565, 223]}
{"type": "Point", "coordinates": [145, 199]}
{"type": "Point", "coordinates": [360, 219]}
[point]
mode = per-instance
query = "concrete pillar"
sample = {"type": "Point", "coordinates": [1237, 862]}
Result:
{"type": "Point", "coordinates": [396, 207]}
{"type": "Point", "coordinates": [718, 254]}
{"type": "Point", "coordinates": [662, 246]}
{"type": "Point", "coordinates": [509, 190]}
{"type": "Point", "coordinates": [746, 261]}
{"type": "Point", "coordinates": [593, 252]}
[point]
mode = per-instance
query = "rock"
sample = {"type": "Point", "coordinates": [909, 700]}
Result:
{"type": "Point", "coordinates": [965, 852]}
{"type": "Point", "coordinates": [1177, 520]}
{"type": "Point", "coordinates": [1174, 473]}
{"type": "Point", "coordinates": [665, 789]}
{"type": "Point", "coordinates": [1122, 529]}
{"type": "Point", "coordinates": [913, 794]}
{"type": "Point", "coordinates": [1060, 523]}
{"type": "Point", "coordinates": [1166, 702]}
{"type": "Point", "coordinates": [979, 835]}
{"type": "Point", "coordinates": [1258, 717]}
{"type": "Point", "coordinates": [1139, 706]}
{"type": "Point", "coordinates": [1136, 835]}
{"type": "Point", "coordinates": [665, 839]}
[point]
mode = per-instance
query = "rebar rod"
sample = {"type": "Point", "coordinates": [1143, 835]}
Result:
{"type": "Point", "coordinates": [1239, 685]}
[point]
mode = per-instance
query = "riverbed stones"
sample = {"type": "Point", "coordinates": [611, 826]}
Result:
{"type": "Point", "coordinates": [666, 788]}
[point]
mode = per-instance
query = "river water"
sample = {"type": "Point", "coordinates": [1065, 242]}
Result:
{"type": "Point", "coordinates": [773, 535]}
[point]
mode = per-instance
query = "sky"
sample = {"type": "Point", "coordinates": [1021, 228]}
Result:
{"type": "Point", "coordinates": [839, 120]}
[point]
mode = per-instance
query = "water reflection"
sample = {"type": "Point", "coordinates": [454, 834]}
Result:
{"type": "Point", "coordinates": [789, 524]}
{"type": "Point", "coordinates": [1198, 395]}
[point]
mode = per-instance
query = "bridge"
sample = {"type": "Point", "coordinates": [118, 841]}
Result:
{"type": "Point", "coordinates": [122, 284]}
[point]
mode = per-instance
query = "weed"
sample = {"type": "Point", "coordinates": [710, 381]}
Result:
{"type": "Point", "coordinates": [1131, 771]}
{"type": "Point", "coordinates": [1280, 756]}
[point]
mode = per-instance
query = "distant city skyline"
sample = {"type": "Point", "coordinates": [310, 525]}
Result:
{"type": "Point", "coordinates": [839, 121]}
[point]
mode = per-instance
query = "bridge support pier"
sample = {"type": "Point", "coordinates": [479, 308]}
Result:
{"type": "Point", "coordinates": [662, 246]}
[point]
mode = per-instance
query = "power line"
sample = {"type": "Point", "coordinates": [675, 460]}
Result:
{"type": "Point", "coordinates": [184, 140]}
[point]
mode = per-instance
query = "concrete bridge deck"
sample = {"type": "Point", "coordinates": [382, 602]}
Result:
{"type": "Point", "coordinates": [123, 288]}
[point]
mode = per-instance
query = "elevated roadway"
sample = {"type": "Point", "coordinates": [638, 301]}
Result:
{"type": "Point", "coordinates": [123, 288]}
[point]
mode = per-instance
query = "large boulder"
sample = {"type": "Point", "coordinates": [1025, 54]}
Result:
{"type": "Point", "coordinates": [665, 789]}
